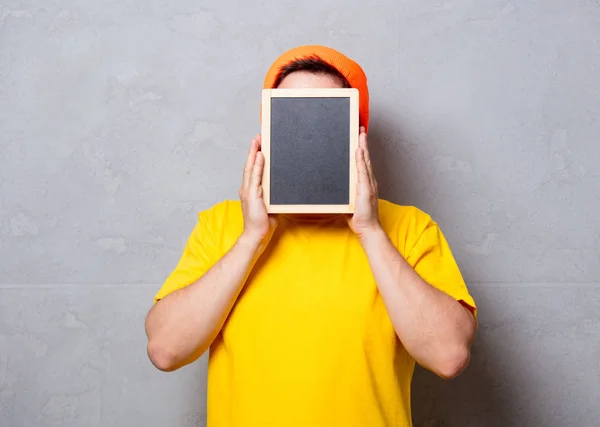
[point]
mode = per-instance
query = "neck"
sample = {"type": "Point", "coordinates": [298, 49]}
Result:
{"type": "Point", "coordinates": [312, 217]}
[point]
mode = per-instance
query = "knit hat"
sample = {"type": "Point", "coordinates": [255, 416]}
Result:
{"type": "Point", "coordinates": [346, 66]}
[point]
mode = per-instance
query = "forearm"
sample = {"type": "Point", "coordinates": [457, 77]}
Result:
{"type": "Point", "coordinates": [182, 326]}
{"type": "Point", "coordinates": [434, 328]}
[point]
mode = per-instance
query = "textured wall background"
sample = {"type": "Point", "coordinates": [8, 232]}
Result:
{"type": "Point", "coordinates": [120, 120]}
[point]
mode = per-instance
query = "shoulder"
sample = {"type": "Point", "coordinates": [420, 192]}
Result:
{"type": "Point", "coordinates": [225, 209]}
{"type": "Point", "coordinates": [411, 218]}
{"type": "Point", "coordinates": [223, 219]}
{"type": "Point", "coordinates": [403, 224]}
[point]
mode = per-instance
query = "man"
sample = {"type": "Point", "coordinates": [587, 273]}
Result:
{"type": "Point", "coordinates": [313, 320]}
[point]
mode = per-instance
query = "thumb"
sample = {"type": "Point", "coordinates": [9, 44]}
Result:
{"type": "Point", "coordinates": [273, 220]}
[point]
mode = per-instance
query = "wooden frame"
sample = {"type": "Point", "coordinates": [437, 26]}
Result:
{"type": "Point", "coordinates": [353, 130]}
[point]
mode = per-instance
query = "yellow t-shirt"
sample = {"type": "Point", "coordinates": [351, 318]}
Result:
{"type": "Point", "coordinates": [309, 342]}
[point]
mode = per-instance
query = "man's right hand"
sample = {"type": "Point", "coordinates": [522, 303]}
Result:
{"type": "Point", "coordinates": [258, 224]}
{"type": "Point", "coordinates": [183, 325]}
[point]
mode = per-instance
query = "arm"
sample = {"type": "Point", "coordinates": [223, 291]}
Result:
{"type": "Point", "coordinates": [181, 326]}
{"type": "Point", "coordinates": [433, 327]}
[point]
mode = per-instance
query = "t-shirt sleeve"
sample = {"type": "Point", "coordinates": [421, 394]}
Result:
{"type": "Point", "coordinates": [199, 255]}
{"type": "Point", "coordinates": [432, 259]}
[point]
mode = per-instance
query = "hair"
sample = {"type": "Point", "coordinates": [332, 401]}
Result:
{"type": "Point", "coordinates": [312, 64]}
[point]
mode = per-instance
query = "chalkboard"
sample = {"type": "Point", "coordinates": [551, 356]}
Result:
{"type": "Point", "coordinates": [309, 137]}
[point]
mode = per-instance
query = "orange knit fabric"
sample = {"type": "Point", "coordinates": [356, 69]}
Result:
{"type": "Point", "coordinates": [349, 69]}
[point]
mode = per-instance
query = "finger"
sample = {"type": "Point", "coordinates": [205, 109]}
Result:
{"type": "Point", "coordinates": [257, 171]}
{"type": "Point", "coordinates": [363, 144]}
{"type": "Point", "coordinates": [250, 159]}
{"type": "Point", "coordinates": [362, 139]}
{"type": "Point", "coordinates": [361, 166]}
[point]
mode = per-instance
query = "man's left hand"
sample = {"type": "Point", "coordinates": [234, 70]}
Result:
{"type": "Point", "coordinates": [365, 219]}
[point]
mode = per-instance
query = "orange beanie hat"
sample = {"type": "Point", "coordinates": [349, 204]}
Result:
{"type": "Point", "coordinates": [346, 66]}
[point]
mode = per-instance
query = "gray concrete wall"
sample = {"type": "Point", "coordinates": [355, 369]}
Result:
{"type": "Point", "coordinates": [120, 120]}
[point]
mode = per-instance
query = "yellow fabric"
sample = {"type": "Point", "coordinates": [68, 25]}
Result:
{"type": "Point", "coordinates": [309, 342]}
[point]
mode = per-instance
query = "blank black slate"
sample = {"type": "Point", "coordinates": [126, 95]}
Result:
{"type": "Point", "coordinates": [310, 151]}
